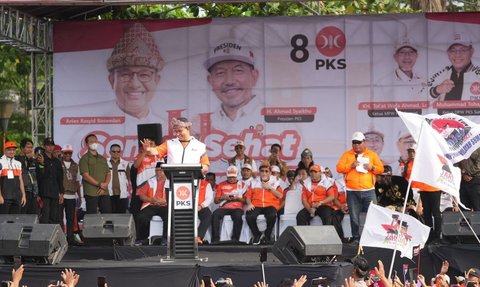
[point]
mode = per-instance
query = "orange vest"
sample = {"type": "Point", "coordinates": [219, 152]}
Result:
{"type": "Point", "coordinates": [261, 197]}
{"type": "Point", "coordinates": [153, 188]}
{"type": "Point", "coordinates": [226, 188]}
{"type": "Point", "coordinates": [317, 193]}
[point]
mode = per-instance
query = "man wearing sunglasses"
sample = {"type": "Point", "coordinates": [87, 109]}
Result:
{"type": "Point", "coordinates": [359, 166]}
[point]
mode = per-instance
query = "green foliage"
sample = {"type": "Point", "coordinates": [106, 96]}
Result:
{"type": "Point", "coordinates": [15, 85]}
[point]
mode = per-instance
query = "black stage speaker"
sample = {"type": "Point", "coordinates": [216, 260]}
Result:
{"type": "Point", "coordinates": [109, 228]}
{"type": "Point", "coordinates": [42, 243]}
{"type": "Point", "coordinates": [19, 218]}
{"type": "Point", "coordinates": [455, 228]}
{"type": "Point", "coordinates": [301, 244]}
{"type": "Point", "coordinates": [151, 131]}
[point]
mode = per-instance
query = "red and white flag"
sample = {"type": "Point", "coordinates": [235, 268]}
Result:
{"type": "Point", "coordinates": [383, 229]}
{"type": "Point", "coordinates": [457, 136]}
{"type": "Point", "coordinates": [432, 167]}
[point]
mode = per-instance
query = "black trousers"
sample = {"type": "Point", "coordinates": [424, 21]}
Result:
{"type": "Point", "coordinates": [119, 205]}
{"type": "Point", "coordinates": [470, 193]}
{"type": "Point", "coordinates": [69, 205]}
{"type": "Point", "coordinates": [270, 214]}
{"type": "Point", "coordinates": [144, 217]}
{"type": "Point", "coordinates": [10, 206]}
{"type": "Point", "coordinates": [49, 212]}
{"type": "Point", "coordinates": [218, 215]}
{"type": "Point", "coordinates": [31, 207]}
{"type": "Point", "coordinates": [431, 209]}
{"type": "Point", "coordinates": [102, 202]}
{"type": "Point", "coordinates": [325, 213]}
{"type": "Point", "coordinates": [205, 216]}
{"type": "Point", "coordinates": [337, 218]}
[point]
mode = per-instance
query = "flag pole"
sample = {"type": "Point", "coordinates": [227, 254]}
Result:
{"type": "Point", "coordinates": [403, 212]}
{"type": "Point", "coordinates": [468, 223]}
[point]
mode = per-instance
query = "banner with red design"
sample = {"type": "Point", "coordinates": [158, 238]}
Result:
{"type": "Point", "coordinates": [309, 82]}
{"type": "Point", "coordinates": [385, 228]}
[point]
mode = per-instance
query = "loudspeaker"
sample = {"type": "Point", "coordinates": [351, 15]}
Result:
{"type": "Point", "coordinates": [454, 226]}
{"type": "Point", "coordinates": [43, 243]}
{"type": "Point", "coordinates": [109, 228]}
{"type": "Point", "coordinates": [300, 244]}
{"type": "Point", "coordinates": [19, 218]}
{"type": "Point", "coordinates": [151, 131]}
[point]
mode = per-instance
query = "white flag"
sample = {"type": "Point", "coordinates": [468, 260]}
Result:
{"type": "Point", "coordinates": [432, 167]}
{"type": "Point", "coordinates": [382, 229]}
{"type": "Point", "coordinates": [458, 136]}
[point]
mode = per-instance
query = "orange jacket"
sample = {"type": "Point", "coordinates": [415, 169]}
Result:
{"type": "Point", "coordinates": [355, 180]}
{"type": "Point", "coordinates": [319, 193]}
{"type": "Point", "coordinates": [153, 188]}
{"type": "Point", "coordinates": [261, 197]}
{"type": "Point", "coordinates": [225, 188]}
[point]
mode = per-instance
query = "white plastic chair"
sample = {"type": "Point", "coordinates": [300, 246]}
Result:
{"type": "Point", "coordinates": [293, 204]}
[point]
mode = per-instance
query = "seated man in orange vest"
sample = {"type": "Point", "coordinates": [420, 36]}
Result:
{"type": "Point", "coordinates": [263, 197]}
{"type": "Point", "coordinates": [317, 198]}
{"type": "Point", "coordinates": [229, 194]}
{"type": "Point", "coordinates": [153, 195]}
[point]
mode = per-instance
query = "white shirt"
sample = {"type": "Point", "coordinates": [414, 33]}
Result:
{"type": "Point", "coordinates": [248, 117]}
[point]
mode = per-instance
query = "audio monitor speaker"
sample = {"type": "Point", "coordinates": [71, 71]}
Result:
{"type": "Point", "coordinates": [109, 228]}
{"type": "Point", "coordinates": [44, 243]}
{"type": "Point", "coordinates": [301, 244]}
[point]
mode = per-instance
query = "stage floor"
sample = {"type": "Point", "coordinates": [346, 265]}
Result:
{"type": "Point", "coordinates": [126, 266]}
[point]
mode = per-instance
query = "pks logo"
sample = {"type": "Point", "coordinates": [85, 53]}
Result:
{"type": "Point", "coordinates": [183, 193]}
{"type": "Point", "coordinates": [475, 89]}
{"type": "Point", "coordinates": [330, 41]}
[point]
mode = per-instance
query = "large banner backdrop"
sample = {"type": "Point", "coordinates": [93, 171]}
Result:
{"type": "Point", "coordinates": [314, 81]}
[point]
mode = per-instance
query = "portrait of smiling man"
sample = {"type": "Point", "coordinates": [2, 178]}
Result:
{"type": "Point", "coordinates": [233, 76]}
{"type": "Point", "coordinates": [134, 72]}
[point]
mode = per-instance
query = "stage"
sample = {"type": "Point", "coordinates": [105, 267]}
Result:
{"type": "Point", "coordinates": [130, 266]}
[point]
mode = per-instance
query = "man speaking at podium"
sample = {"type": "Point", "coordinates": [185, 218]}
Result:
{"type": "Point", "coordinates": [182, 149]}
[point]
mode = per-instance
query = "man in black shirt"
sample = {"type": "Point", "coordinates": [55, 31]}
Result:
{"type": "Point", "coordinates": [50, 183]}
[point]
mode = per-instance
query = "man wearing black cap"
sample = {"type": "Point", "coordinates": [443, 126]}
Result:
{"type": "Point", "coordinates": [50, 183]}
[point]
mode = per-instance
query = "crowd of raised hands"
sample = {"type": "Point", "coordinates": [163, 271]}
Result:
{"type": "Point", "coordinates": [69, 278]}
{"type": "Point", "coordinates": [362, 276]}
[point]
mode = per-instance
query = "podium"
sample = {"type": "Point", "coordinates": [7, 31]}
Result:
{"type": "Point", "coordinates": [182, 210]}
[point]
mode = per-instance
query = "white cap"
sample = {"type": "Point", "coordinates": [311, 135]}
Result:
{"type": "Point", "coordinates": [230, 49]}
{"type": "Point", "coordinates": [247, 165]}
{"type": "Point", "coordinates": [405, 42]}
{"type": "Point", "coordinates": [358, 136]}
{"type": "Point", "coordinates": [67, 147]}
{"type": "Point", "coordinates": [232, 171]}
{"type": "Point", "coordinates": [460, 38]}
{"type": "Point", "coordinates": [275, 168]}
